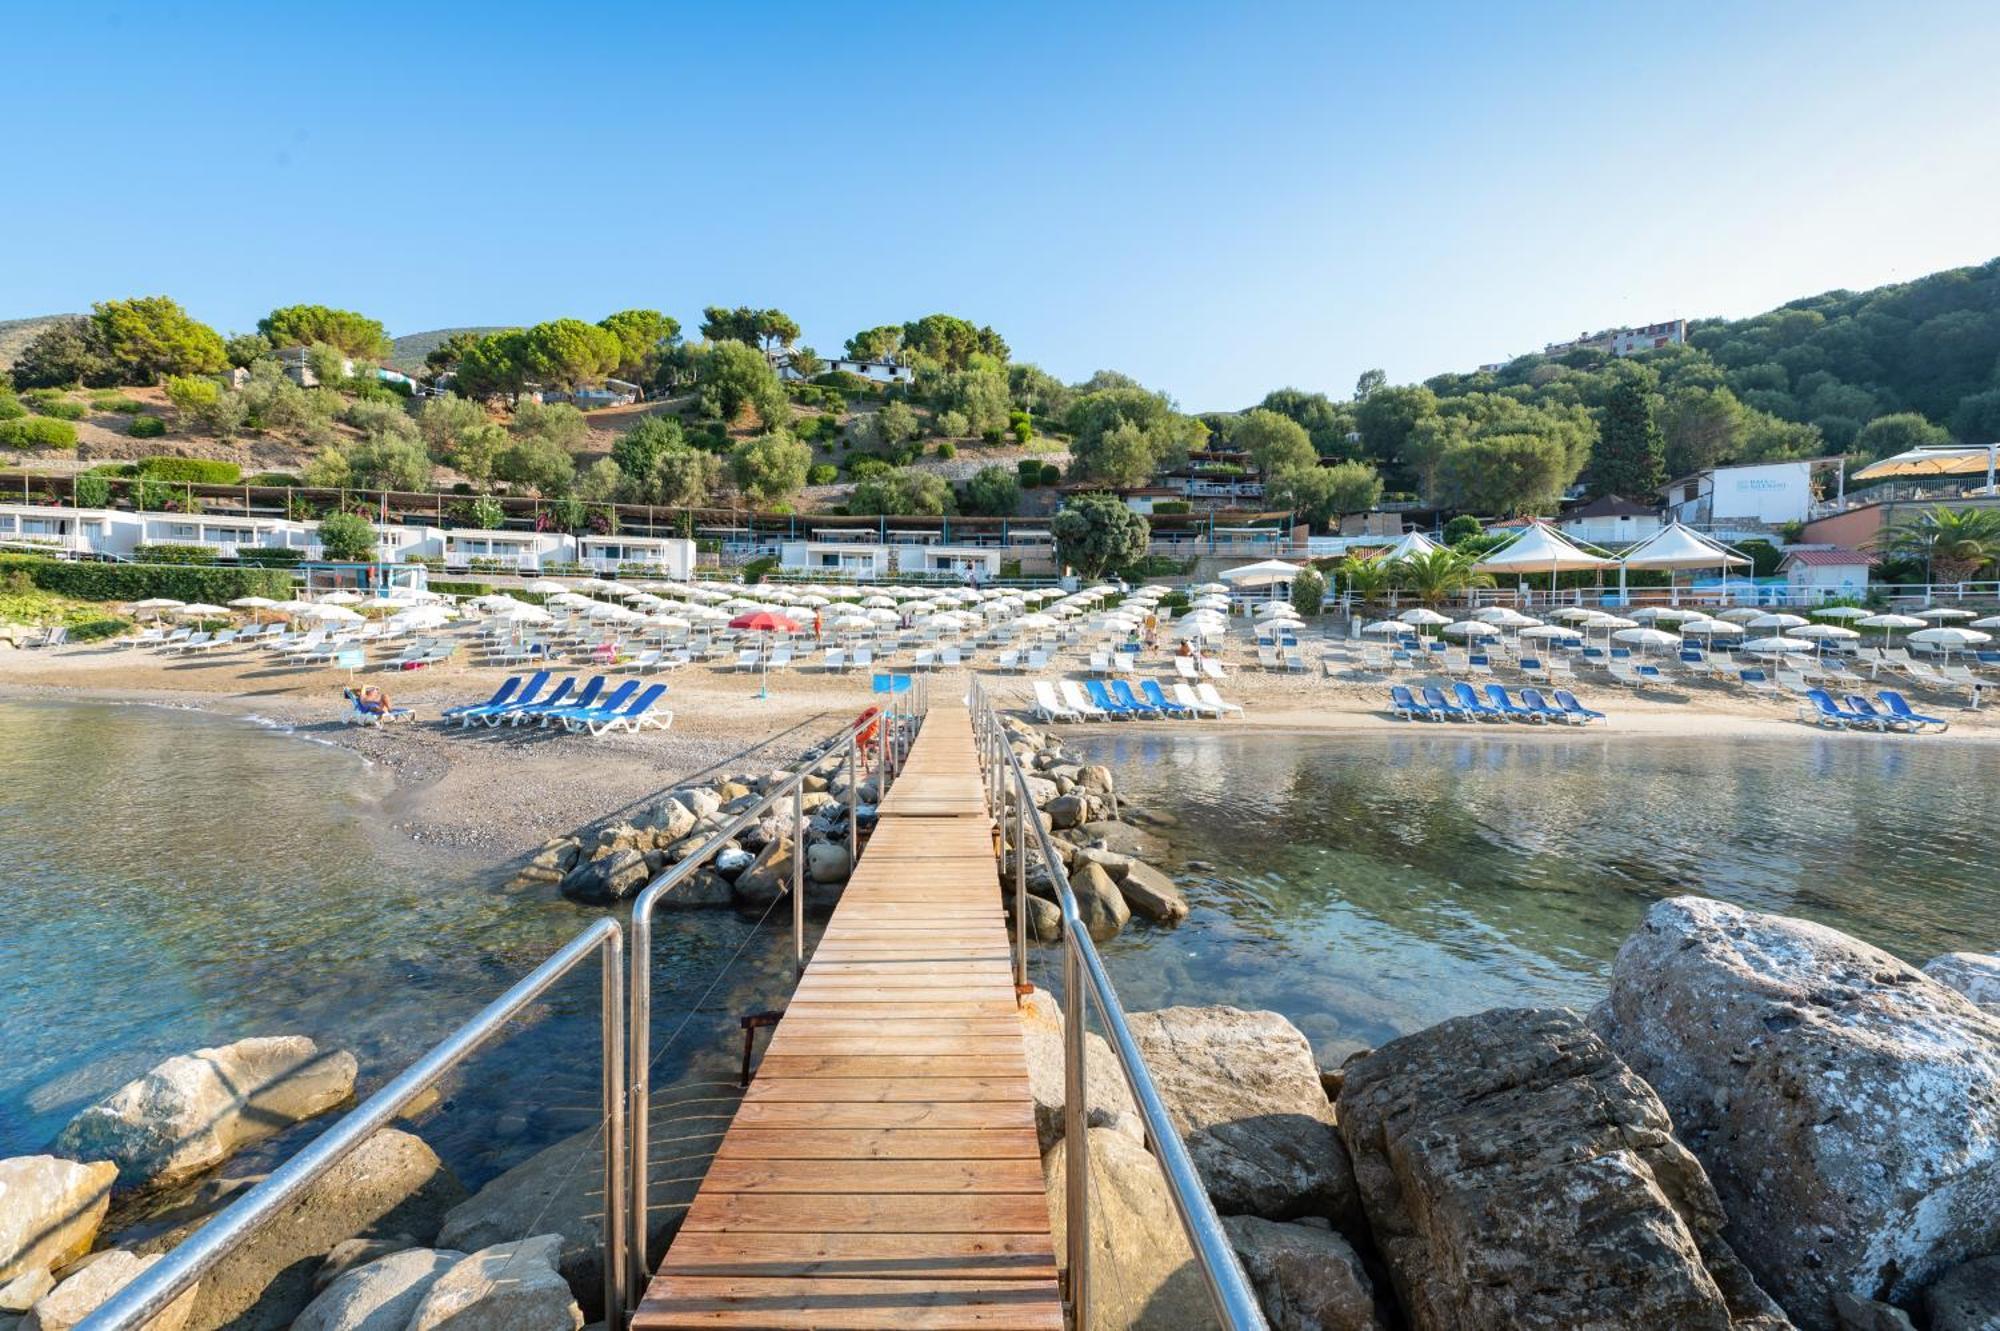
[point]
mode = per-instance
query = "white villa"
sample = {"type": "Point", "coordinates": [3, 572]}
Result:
{"type": "Point", "coordinates": [118, 534]}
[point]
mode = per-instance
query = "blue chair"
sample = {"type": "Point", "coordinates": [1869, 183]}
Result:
{"type": "Point", "coordinates": [1692, 657]}
{"type": "Point", "coordinates": [1403, 705]}
{"type": "Point", "coordinates": [500, 695]}
{"type": "Point", "coordinates": [1567, 701]}
{"type": "Point", "coordinates": [1899, 707]}
{"type": "Point", "coordinates": [1533, 700]}
{"type": "Point", "coordinates": [1435, 700]}
{"type": "Point", "coordinates": [1470, 702]}
{"type": "Point", "coordinates": [493, 716]}
{"type": "Point", "coordinates": [1438, 645]}
{"type": "Point", "coordinates": [1102, 697]}
{"type": "Point", "coordinates": [1150, 689]}
{"type": "Point", "coordinates": [1507, 707]}
{"type": "Point", "coordinates": [557, 701]}
{"type": "Point", "coordinates": [1650, 673]}
{"type": "Point", "coordinates": [529, 692]}
{"type": "Point", "coordinates": [1123, 693]}
{"type": "Point", "coordinates": [1594, 654]}
{"type": "Point", "coordinates": [600, 720]}
{"type": "Point", "coordinates": [1870, 713]}
{"type": "Point", "coordinates": [1621, 653]}
{"type": "Point", "coordinates": [1824, 711]}
{"type": "Point", "coordinates": [611, 703]}
{"type": "Point", "coordinates": [1530, 664]}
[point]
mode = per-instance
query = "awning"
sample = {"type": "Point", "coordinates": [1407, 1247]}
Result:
{"type": "Point", "coordinates": [1413, 545]}
{"type": "Point", "coordinates": [1928, 462]}
{"type": "Point", "coordinates": [1678, 546]}
{"type": "Point", "coordinates": [1261, 574]}
{"type": "Point", "coordinates": [1541, 549]}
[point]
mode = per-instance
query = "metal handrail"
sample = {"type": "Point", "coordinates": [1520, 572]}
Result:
{"type": "Point", "coordinates": [167, 1280]}
{"type": "Point", "coordinates": [895, 730]}
{"type": "Point", "coordinates": [1228, 1287]}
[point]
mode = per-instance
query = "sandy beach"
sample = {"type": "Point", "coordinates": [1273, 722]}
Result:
{"type": "Point", "coordinates": [502, 792]}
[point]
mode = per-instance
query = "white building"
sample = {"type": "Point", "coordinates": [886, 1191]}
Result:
{"type": "Point", "coordinates": [1754, 496]}
{"type": "Point", "coordinates": [863, 560]}
{"type": "Point", "coordinates": [1624, 341]}
{"type": "Point", "coordinates": [874, 371]}
{"type": "Point", "coordinates": [1828, 571]}
{"type": "Point", "coordinates": [1611, 520]}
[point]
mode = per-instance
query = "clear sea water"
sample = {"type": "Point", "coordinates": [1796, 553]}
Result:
{"type": "Point", "coordinates": [1370, 886]}
{"type": "Point", "coordinates": [173, 879]}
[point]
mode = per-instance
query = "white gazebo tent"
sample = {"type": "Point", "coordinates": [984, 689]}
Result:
{"type": "Point", "coordinates": [1269, 573]}
{"type": "Point", "coordinates": [1677, 546]}
{"type": "Point", "coordinates": [1541, 549]}
{"type": "Point", "coordinates": [1413, 545]}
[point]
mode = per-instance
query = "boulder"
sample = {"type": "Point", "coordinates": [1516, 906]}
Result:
{"type": "Point", "coordinates": [1517, 1174]}
{"type": "Point", "coordinates": [348, 1254]}
{"type": "Point", "coordinates": [1121, 837]}
{"type": "Point", "coordinates": [729, 792]}
{"type": "Point", "coordinates": [507, 1287]}
{"type": "Point", "coordinates": [612, 877]}
{"type": "Point", "coordinates": [380, 1295]}
{"type": "Point", "coordinates": [1096, 779]}
{"type": "Point", "coordinates": [50, 1209]}
{"type": "Point", "coordinates": [196, 1110]}
{"type": "Point", "coordinates": [768, 877]}
{"type": "Point", "coordinates": [671, 820]}
{"type": "Point", "coordinates": [92, 1285]}
{"type": "Point", "coordinates": [1974, 974]}
{"type": "Point", "coordinates": [1852, 1313]}
{"type": "Point", "coordinates": [1041, 790]}
{"type": "Point", "coordinates": [732, 861]}
{"type": "Point", "coordinates": [703, 887]}
{"type": "Point", "coordinates": [19, 1294]}
{"type": "Point", "coordinates": [1306, 1278]}
{"type": "Point", "coordinates": [1108, 1098]}
{"type": "Point", "coordinates": [1244, 1091]}
{"type": "Point", "coordinates": [1967, 1298]}
{"type": "Point", "coordinates": [827, 862]}
{"type": "Point", "coordinates": [697, 800]}
{"type": "Point", "coordinates": [1109, 860]}
{"type": "Point", "coordinates": [1044, 920]}
{"type": "Point", "coordinates": [1151, 894]}
{"type": "Point", "coordinates": [1099, 903]}
{"type": "Point", "coordinates": [1145, 1273]}
{"type": "Point", "coordinates": [1065, 811]}
{"type": "Point", "coordinates": [1777, 1040]}
{"type": "Point", "coordinates": [390, 1184]}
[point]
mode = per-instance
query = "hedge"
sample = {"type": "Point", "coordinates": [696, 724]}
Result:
{"type": "Point", "coordinates": [164, 553]}
{"type": "Point", "coordinates": [464, 588]}
{"type": "Point", "coordinates": [271, 558]}
{"type": "Point", "coordinates": [138, 582]}
{"type": "Point", "coordinates": [37, 432]}
{"type": "Point", "coordinates": [199, 471]}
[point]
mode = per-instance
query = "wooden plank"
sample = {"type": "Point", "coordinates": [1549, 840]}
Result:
{"type": "Point", "coordinates": [821, 1067]}
{"type": "Point", "coordinates": [878, 1255]}
{"type": "Point", "coordinates": [794, 1045]}
{"type": "Point", "coordinates": [919, 1305]}
{"type": "Point", "coordinates": [840, 1177]}
{"type": "Point", "coordinates": [916, 1213]}
{"type": "Point", "coordinates": [911, 1090]}
{"type": "Point", "coordinates": [749, 1143]}
{"type": "Point", "coordinates": [885, 1114]}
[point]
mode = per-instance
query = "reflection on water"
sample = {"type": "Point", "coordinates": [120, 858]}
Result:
{"type": "Point", "coordinates": [173, 880]}
{"type": "Point", "coordinates": [1370, 886]}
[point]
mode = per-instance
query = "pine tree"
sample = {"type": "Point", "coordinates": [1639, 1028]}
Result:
{"type": "Point", "coordinates": [1630, 457]}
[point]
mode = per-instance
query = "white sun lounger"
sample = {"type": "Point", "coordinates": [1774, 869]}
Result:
{"type": "Point", "coordinates": [747, 660]}
{"type": "Point", "coordinates": [1074, 697]}
{"type": "Point", "coordinates": [1048, 707]}
{"type": "Point", "coordinates": [1186, 697]}
{"type": "Point", "coordinates": [1206, 692]}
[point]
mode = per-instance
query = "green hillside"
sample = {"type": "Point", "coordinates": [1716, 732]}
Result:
{"type": "Point", "coordinates": [17, 333]}
{"type": "Point", "coordinates": [408, 351]}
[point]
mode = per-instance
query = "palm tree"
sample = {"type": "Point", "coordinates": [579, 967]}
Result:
{"type": "Point", "coordinates": [1367, 580]}
{"type": "Point", "coordinates": [1954, 544]}
{"type": "Point", "coordinates": [1438, 575]}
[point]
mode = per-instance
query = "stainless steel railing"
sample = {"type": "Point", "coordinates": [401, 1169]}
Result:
{"type": "Point", "coordinates": [166, 1280]}
{"type": "Point", "coordinates": [1084, 977]}
{"type": "Point", "coordinates": [893, 730]}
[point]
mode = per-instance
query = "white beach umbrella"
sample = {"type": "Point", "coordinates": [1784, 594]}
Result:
{"type": "Point", "coordinates": [1422, 615]}
{"type": "Point", "coordinates": [254, 603]}
{"type": "Point", "coordinates": [1824, 632]}
{"type": "Point", "coordinates": [879, 603]}
{"type": "Point", "coordinates": [1841, 612]}
{"type": "Point", "coordinates": [1573, 613]}
{"type": "Point", "coordinates": [1387, 627]}
{"type": "Point", "coordinates": [1472, 628]}
{"type": "Point", "coordinates": [335, 614]}
{"type": "Point", "coordinates": [547, 587]}
{"type": "Point", "coordinates": [1777, 620]}
{"type": "Point", "coordinates": [1741, 614]}
{"type": "Point", "coordinates": [200, 610]}
{"type": "Point", "coordinates": [1940, 613]}
{"type": "Point", "coordinates": [1038, 621]}
{"type": "Point", "coordinates": [1712, 628]}
{"type": "Point", "coordinates": [1648, 637]}
{"type": "Point", "coordinates": [523, 613]}
{"type": "Point", "coordinates": [1892, 621]}
{"type": "Point", "coordinates": [1557, 632]}
{"type": "Point", "coordinates": [155, 603]}
{"type": "Point", "coordinates": [341, 598]}
{"type": "Point", "coordinates": [1949, 638]}
{"type": "Point", "coordinates": [1664, 614]}
{"type": "Point", "coordinates": [1777, 646]}
{"type": "Point", "coordinates": [1990, 622]}
{"type": "Point", "coordinates": [1209, 589]}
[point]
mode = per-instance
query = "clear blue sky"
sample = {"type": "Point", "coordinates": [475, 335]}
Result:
{"type": "Point", "coordinates": [1217, 199]}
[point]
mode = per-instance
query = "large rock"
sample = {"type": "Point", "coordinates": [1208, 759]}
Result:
{"type": "Point", "coordinates": [703, 887]}
{"type": "Point", "coordinates": [92, 1286]}
{"type": "Point", "coordinates": [1967, 1298]}
{"type": "Point", "coordinates": [697, 800]}
{"type": "Point", "coordinates": [1846, 1105]}
{"type": "Point", "coordinates": [1065, 811]}
{"type": "Point", "coordinates": [1108, 1098]}
{"type": "Point", "coordinates": [1974, 974]}
{"type": "Point", "coordinates": [508, 1287]}
{"type": "Point", "coordinates": [671, 820]}
{"type": "Point", "coordinates": [1152, 894]}
{"type": "Point", "coordinates": [19, 1294]}
{"type": "Point", "coordinates": [1245, 1093]}
{"type": "Point", "coordinates": [196, 1110]}
{"type": "Point", "coordinates": [827, 862]}
{"type": "Point", "coordinates": [1306, 1278]}
{"type": "Point", "coordinates": [1144, 1273]}
{"type": "Point", "coordinates": [1099, 902]}
{"type": "Point", "coordinates": [613, 877]}
{"type": "Point", "coordinates": [390, 1184]}
{"type": "Point", "coordinates": [1044, 920]}
{"type": "Point", "coordinates": [1122, 838]}
{"type": "Point", "coordinates": [1516, 1174]}
{"type": "Point", "coordinates": [768, 877]}
{"type": "Point", "coordinates": [380, 1296]}
{"type": "Point", "coordinates": [50, 1209]}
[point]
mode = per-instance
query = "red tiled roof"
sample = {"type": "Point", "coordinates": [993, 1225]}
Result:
{"type": "Point", "coordinates": [1829, 557]}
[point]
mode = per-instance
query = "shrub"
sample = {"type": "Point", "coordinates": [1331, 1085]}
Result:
{"type": "Point", "coordinates": [274, 478]}
{"type": "Point", "coordinates": [444, 588]}
{"type": "Point", "coordinates": [118, 470]}
{"type": "Point", "coordinates": [867, 468]}
{"type": "Point", "coordinates": [62, 409]}
{"type": "Point", "coordinates": [822, 473]}
{"type": "Point", "coordinates": [91, 491]}
{"type": "Point", "coordinates": [1030, 472]}
{"type": "Point", "coordinates": [947, 449]}
{"type": "Point", "coordinates": [37, 432]}
{"type": "Point", "coordinates": [146, 427]}
{"type": "Point", "coordinates": [174, 554]}
{"type": "Point", "coordinates": [347, 538]}
{"type": "Point", "coordinates": [198, 471]}
{"type": "Point", "coordinates": [10, 407]}
{"type": "Point", "coordinates": [1051, 474]}
{"type": "Point", "coordinates": [269, 557]}
{"type": "Point", "coordinates": [117, 402]}
{"type": "Point", "coordinates": [137, 582]}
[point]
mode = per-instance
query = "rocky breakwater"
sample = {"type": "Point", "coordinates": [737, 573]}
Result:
{"type": "Point", "coordinates": [1103, 851]}
{"type": "Point", "coordinates": [1847, 1105]}
{"type": "Point", "coordinates": [614, 861]}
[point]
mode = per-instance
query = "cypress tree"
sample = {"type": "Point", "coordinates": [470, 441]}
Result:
{"type": "Point", "coordinates": [1630, 458]}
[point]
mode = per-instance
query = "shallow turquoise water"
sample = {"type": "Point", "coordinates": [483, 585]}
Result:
{"type": "Point", "coordinates": [1369, 886]}
{"type": "Point", "coordinates": [174, 879]}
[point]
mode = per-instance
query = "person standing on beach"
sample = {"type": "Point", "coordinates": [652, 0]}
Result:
{"type": "Point", "coordinates": [819, 625]}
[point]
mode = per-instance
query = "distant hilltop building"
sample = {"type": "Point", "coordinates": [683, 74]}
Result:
{"type": "Point", "coordinates": [1624, 341]}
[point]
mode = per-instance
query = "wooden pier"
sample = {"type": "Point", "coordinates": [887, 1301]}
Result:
{"type": "Point", "coordinates": [882, 1170]}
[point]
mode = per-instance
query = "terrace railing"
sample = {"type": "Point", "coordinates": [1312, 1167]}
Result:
{"type": "Point", "coordinates": [1087, 985]}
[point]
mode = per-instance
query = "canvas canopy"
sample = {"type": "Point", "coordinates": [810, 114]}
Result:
{"type": "Point", "coordinates": [1930, 462]}
{"type": "Point", "coordinates": [1413, 545]}
{"type": "Point", "coordinates": [1541, 549]}
{"type": "Point", "coordinates": [1262, 574]}
{"type": "Point", "coordinates": [1679, 546]}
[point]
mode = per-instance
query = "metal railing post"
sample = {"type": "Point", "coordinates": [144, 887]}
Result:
{"type": "Point", "coordinates": [853, 802]}
{"type": "Point", "coordinates": [612, 1093]}
{"type": "Point", "coordinates": [1020, 889]}
{"type": "Point", "coordinates": [799, 875]}
{"type": "Point", "coordinates": [1076, 1139]}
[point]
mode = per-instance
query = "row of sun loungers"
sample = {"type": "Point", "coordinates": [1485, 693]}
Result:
{"type": "Point", "coordinates": [587, 709]}
{"type": "Point", "coordinates": [1497, 705]}
{"type": "Point", "coordinates": [1118, 699]}
{"type": "Point", "coordinates": [1889, 710]}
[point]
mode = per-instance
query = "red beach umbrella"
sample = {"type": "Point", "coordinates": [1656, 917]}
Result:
{"type": "Point", "coordinates": [763, 621]}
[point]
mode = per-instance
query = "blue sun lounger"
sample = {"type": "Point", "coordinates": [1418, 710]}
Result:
{"type": "Point", "coordinates": [561, 701]}
{"type": "Point", "coordinates": [507, 689]}
{"type": "Point", "coordinates": [1497, 695]}
{"type": "Point", "coordinates": [1402, 704]}
{"type": "Point", "coordinates": [1899, 707]}
{"type": "Point", "coordinates": [1435, 700]}
{"type": "Point", "coordinates": [1875, 716]}
{"type": "Point", "coordinates": [493, 716]}
{"type": "Point", "coordinates": [1123, 693]}
{"type": "Point", "coordinates": [1469, 700]}
{"type": "Point", "coordinates": [1820, 708]}
{"type": "Point", "coordinates": [1102, 697]}
{"type": "Point", "coordinates": [1567, 701]}
{"type": "Point", "coordinates": [529, 692]}
{"type": "Point", "coordinates": [602, 720]}
{"type": "Point", "coordinates": [1150, 690]}
{"type": "Point", "coordinates": [610, 703]}
{"type": "Point", "coordinates": [1533, 700]}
